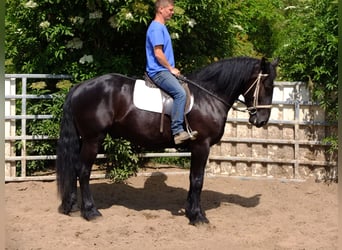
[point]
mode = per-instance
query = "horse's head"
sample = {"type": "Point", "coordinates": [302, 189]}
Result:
{"type": "Point", "coordinates": [258, 93]}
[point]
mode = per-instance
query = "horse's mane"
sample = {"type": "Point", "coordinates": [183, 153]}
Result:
{"type": "Point", "coordinates": [225, 75]}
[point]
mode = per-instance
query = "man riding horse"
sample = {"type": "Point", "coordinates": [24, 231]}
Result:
{"type": "Point", "coordinates": [161, 68]}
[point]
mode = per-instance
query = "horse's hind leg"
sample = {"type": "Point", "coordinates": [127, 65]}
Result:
{"type": "Point", "coordinates": [88, 154]}
{"type": "Point", "coordinates": [69, 200]}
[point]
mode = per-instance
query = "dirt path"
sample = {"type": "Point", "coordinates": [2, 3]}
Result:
{"type": "Point", "coordinates": [148, 213]}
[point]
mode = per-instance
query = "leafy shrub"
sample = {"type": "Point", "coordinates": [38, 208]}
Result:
{"type": "Point", "coordinates": [124, 161]}
{"type": "Point", "coordinates": [309, 52]}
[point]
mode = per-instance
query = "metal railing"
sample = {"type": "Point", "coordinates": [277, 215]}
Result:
{"type": "Point", "coordinates": [10, 117]}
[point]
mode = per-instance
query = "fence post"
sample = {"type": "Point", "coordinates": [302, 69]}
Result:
{"type": "Point", "coordinates": [10, 169]}
{"type": "Point", "coordinates": [23, 126]}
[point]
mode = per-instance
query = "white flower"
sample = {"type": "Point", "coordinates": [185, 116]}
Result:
{"type": "Point", "coordinates": [192, 23]}
{"type": "Point", "coordinates": [239, 27]}
{"type": "Point", "coordinates": [75, 43]}
{"type": "Point", "coordinates": [111, 1]}
{"type": "Point", "coordinates": [95, 15]}
{"type": "Point", "coordinates": [31, 4]}
{"type": "Point", "coordinates": [129, 16]}
{"type": "Point", "coordinates": [290, 7]}
{"type": "Point", "coordinates": [44, 24]}
{"type": "Point", "coordinates": [86, 59]}
{"type": "Point", "coordinates": [77, 19]}
{"type": "Point", "coordinates": [174, 35]}
{"type": "Point", "coordinates": [19, 31]}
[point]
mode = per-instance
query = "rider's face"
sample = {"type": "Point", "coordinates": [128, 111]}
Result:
{"type": "Point", "coordinates": [167, 12]}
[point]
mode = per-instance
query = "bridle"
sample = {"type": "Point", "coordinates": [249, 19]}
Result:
{"type": "Point", "coordinates": [252, 110]}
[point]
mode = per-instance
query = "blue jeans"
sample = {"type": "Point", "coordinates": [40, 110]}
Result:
{"type": "Point", "coordinates": [169, 83]}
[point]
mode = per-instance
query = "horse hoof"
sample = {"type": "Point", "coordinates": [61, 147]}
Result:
{"type": "Point", "coordinates": [91, 214]}
{"type": "Point", "coordinates": [199, 220]}
{"type": "Point", "coordinates": [197, 223]}
{"type": "Point", "coordinates": [67, 209]}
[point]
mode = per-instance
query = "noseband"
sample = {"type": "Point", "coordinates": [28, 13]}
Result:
{"type": "Point", "coordinates": [253, 109]}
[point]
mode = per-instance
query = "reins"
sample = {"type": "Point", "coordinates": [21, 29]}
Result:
{"type": "Point", "coordinates": [183, 78]}
{"type": "Point", "coordinates": [252, 110]}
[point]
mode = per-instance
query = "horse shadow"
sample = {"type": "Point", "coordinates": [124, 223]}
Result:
{"type": "Point", "coordinates": [156, 195]}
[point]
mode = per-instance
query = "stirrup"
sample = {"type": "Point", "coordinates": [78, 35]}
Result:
{"type": "Point", "coordinates": [192, 133]}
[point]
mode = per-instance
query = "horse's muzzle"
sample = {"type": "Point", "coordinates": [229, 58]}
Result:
{"type": "Point", "coordinates": [257, 122]}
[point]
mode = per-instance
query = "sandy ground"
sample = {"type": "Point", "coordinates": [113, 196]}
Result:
{"type": "Point", "coordinates": [148, 213]}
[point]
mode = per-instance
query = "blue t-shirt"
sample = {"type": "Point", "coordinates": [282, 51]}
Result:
{"type": "Point", "coordinates": [157, 34]}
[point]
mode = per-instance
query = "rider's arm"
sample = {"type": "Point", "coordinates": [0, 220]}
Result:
{"type": "Point", "coordinates": [158, 52]}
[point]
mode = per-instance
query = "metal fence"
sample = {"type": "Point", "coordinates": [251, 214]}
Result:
{"type": "Point", "coordinates": [11, 97]}
{"type": "Point", "coordinates": [291, 102]}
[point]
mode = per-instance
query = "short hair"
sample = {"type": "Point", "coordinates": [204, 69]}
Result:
{"type": "Point", "coordinates": [163, 3]}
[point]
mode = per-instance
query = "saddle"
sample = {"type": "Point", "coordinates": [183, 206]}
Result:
{"type": "Point", "coordinates": [163, 99]}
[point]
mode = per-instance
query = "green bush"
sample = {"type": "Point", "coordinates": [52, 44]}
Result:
{"type": "Point", "coordinates": [309, 53]}
{"type": "Point", "coordinates": [123, 161]}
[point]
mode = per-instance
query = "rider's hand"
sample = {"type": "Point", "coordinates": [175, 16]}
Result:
{"type": "Point", "coordinates": [175, 71]}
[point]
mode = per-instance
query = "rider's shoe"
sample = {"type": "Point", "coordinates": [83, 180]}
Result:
{"type": "Point", "coordinates": [183, 136]}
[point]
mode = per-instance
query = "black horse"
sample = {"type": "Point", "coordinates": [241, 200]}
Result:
{"type": "Point", "coordinates": [105, 105]}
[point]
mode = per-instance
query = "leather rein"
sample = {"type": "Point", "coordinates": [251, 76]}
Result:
{"type": "Point", "coordinates": [251, 110]}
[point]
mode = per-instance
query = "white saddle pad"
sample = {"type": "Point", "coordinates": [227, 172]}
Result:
{"type": "Point", "coordinates": [151, 99]}
{"type": "Point", "coordinates": [147, 98]}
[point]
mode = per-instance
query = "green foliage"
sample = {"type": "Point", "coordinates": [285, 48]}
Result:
{"type": "Point", "coordinates": [182, 162]}
{"type": "Point", "coordinates": [309, 51]}
{"type": "Point", "coordinates": [256, 25]}
{"type": "Point", "coordinates": [333, 142]}
{"type": "Point", "coordinates": [80, 38]}
{"type": "Point", "coordinates": [123, 158]}
{"type": "Point", "coordinates": [204, 35]}
{"type": "Point", "coordinates": [86, 38]}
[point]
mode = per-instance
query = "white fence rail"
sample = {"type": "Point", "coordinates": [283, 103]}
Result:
{"type": "Point", "coordinates": [292, 111]}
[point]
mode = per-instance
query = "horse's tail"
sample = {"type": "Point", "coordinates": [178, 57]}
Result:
{"type": "Point", "coordinates": [68, 151]}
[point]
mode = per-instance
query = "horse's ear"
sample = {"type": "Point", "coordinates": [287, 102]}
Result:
{"type": "Point", "coordinates": [263, 64]}
{"type": "Point", "coordinates": [275, 62]}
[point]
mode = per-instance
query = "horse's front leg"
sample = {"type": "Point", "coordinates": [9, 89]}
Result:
{"type": "Point", "coordinates": [193, 210]}
{"type": "Point", "coordinates": [88, 154]}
